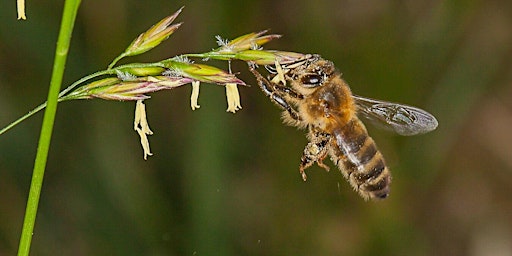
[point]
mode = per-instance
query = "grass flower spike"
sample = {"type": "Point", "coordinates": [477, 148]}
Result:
{"type": "Point", "coordinates": [245, 42]}
{"type": "Point", "coordinates": [136, 81]}
{"type": "Point", "coordinates": [200, 72]}
{"type": "Point", "coordinates": [151, 38]}
{"type": "Point", "coordinates": [207, 74]}
{"type": "Point", "coordinates": [229, 49]}
{"type": "Point", "coordinates": [129, 90]}
{"type": "Point", "coordinates": [268, 57]}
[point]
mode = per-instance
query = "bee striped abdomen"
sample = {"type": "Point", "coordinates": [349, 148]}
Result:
{"type": "Point", "coordinates": [358, 158]}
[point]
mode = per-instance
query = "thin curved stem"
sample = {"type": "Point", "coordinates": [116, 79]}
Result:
{"type": "Point", "coordinates": [116, 60]}
{"type": "Point", "coordinates": [21, 119]}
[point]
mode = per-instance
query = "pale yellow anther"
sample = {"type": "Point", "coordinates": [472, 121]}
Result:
{"type": "Point", "coordinates": [21, 9]}
{"type": "Point", "coordinates": [233, 98]}
{"type": "Point", "coordinates": [279, 78]}
{"type": "Point", "coordinates": [195, 95]}
{"type": "Point", "coordinates": [140, 125]}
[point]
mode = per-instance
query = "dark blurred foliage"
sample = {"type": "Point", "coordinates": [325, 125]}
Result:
{"type": "Point", "coordinates": [224, 184]}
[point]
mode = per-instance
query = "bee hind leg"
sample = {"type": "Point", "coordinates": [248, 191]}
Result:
{"type": "Point", "coordinates": [315, 151]}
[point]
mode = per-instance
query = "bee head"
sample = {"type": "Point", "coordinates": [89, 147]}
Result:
{"type": "Point", "coordinates": [311, 72]}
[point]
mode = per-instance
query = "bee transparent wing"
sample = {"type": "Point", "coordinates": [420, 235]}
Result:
{"type": "Point", "coordinates": [402, 119]}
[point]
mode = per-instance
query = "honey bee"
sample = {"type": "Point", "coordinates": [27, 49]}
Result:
{"type": "Point", "coordinates": [319, 100]}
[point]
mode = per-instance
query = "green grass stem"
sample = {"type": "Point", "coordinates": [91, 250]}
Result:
{"type": "Point", "coordinates": [61, 53]}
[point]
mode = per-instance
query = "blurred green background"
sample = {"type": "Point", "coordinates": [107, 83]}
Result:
{"type": "Point", "coordinates": [224, 184]}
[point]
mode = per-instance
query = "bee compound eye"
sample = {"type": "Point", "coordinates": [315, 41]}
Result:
{"type": "Point", "coordinates": [312, 80]}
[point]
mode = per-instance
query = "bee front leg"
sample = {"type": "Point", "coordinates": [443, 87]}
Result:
{"type": "Point", "coordinates": [315, 151]}
{"type": "Point", "coordinates": [273, 91]}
